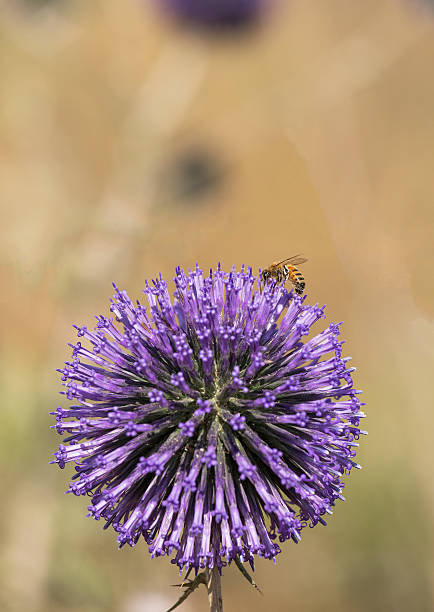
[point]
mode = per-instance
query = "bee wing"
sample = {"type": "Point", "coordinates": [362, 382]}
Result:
{"type": "Point", "coordinates": [294, 260]}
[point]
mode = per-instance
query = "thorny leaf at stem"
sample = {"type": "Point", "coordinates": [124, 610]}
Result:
{"type": "Point", "coordinates": [191, 586]}
{"type": "Point", "coordinates": [246, 574]}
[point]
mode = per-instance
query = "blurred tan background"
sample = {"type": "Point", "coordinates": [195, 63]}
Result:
{"type": "Point", "coordinates": [129, 146]}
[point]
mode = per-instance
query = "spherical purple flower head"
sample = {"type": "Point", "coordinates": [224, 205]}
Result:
{"type": "Point", "coordinates": [222, 14]}
{"type": "Point", "coordinates": [211, 426]}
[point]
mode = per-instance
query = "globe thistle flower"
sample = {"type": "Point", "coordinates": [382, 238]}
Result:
{"type": "Point", "coordinates": [214, 425]}
{"type": "Point", "coordinates": [221, 14]}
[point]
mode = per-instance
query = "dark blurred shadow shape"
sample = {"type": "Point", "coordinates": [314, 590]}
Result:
{"type": "Point", "coordinates": [193, 174]}
{"type": "Point", "coordinates": [216, 15]}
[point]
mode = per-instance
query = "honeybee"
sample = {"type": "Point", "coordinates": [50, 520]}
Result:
{"type": "Point", "coordinates": [284, 270]}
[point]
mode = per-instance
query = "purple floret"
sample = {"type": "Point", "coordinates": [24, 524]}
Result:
{"type": "Point", "coordinates": [210, 424]}
{"type": "Point", "coordinates": [216, 13]}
